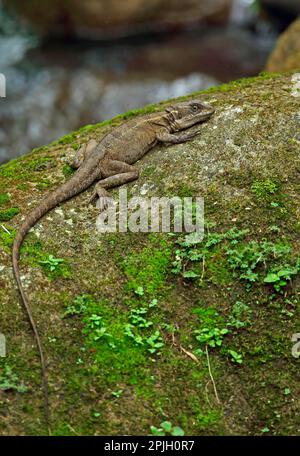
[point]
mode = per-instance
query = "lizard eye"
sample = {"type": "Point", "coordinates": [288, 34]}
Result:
{"type": "Point", "coordinates": [194, 108]}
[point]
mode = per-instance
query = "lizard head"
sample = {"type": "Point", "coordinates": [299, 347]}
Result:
{"type": "Point", "coordinates": [184, 115]}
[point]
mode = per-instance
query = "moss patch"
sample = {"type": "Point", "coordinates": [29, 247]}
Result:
{"type": "Point", "coordinates": [8, 214]}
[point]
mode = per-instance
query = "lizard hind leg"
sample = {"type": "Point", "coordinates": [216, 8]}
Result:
{"type": "Point", "coordinates": [115, 173]}
{"type": "Point", "coordinates": [102, 197]}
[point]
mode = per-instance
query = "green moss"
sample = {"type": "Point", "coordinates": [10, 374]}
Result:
{"type": "Point", "coordinates": [7, 238]}
{"type": "Point", "coordinates": [11, 169]}
{"type": "Point", "coordinates": [149, 170]}
{"type": "Point", "coordinates": [209, 419]}
{"type": "Point", "coordinates": [265, 188]}
{"type": "Point", "coordinates": [64, 429]}
{"type": "Point", "coordinates": [148, 268]}
{"type": "Point", "coordinates": [185, 191]}
{"type": "Point", "coordinates": [23, 168]}
{"type": "Point", "coordinates": [238, 84]}
{"type": "Point", "coordinates": [38, 164]}
{"type": "Point", "coordinates": [23, 187]}
{"type": "Point", "coordinates": [4, 198]}
{"type": "Point", "coordinates": [43, 184]}
{"type": "Point", "coordinates": [113, 352]}
{"type": "Point", "coordinates": [8, 214]}
{"type": "Point", "coordinates": [68, 170]}
{"type": "Point", "coordinates": [36, 255]}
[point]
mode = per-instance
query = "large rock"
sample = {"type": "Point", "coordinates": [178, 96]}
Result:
{"type": "Point", "coordinates": [117, 366]}
{"type": "Point", "coordinates": [100, 17]}
{"type": "Point", "coordinates": [286, 55]}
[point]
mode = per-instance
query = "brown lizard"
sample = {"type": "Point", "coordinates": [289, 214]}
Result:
{"type": "Point", "coordinates": [109, 162]}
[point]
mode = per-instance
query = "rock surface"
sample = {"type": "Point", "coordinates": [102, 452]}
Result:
{"type": "Point", "coordinates": [95, 17]}
{"type": "Point", "coordinates": [106, 377]}
{"type": "Point", "coordinates": [286, 55]}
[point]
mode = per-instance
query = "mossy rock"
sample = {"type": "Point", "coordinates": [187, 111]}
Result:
{"type": "Point", "coordinates": [119, 327]}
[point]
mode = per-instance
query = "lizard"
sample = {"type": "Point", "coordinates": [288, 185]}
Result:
{"type": "Point", "coordinates": [109, 162]}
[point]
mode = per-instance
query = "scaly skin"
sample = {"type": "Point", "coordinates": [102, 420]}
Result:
{"type": "Point", "coordinates": [110, 162]}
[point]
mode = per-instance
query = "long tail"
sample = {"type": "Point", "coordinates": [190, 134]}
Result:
{"type": "Point", "coordinates": [71, 188]}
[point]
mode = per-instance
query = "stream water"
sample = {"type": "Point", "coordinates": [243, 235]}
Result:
{"type": "Point", "coordinates": [57, 86]}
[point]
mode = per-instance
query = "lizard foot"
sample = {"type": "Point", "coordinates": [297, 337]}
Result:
{"type": "Point", "coordinates": [104, 202]}
{"type": "Point", "coordinates": [98, 192]}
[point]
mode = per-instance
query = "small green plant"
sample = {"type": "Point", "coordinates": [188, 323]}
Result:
{"type": "Point", "coordinates": [96, 328]}
{"type": "Point", "coordinates": [54, 267]}
{"type": "Point", "coordinates": [154, 342]}
{"type": "Point", "coordinates": [78, 306]}
{"type": "Point", "coordinates": [10, 381]}
{"type": "Point", "coordinates": [192, 250]}
{"type": "Point", "coordinates": [240, 315]}
{"type": "Point", "coordinates": [137, 318]}
{"type": "Point", "coordinates": [51, 263]}
{"type": "Point", "coordinates": [212, 337]}
{"type": "Point", "coordinates": [247, 261]}
{"type": "Point", "coordinates": [139, 323]}
{"type": "Point", "coordinates": [117, 393]}
{"type": "Point", "coordinates": [235, 357]}
{"type": "Point", "coordinates": [279, 278]}
{"type": "Point", "coordinates": [166, 428]}
{"type": "Point", "coordinates": [139, 291]}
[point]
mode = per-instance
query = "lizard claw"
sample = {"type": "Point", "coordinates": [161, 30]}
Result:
{"type": "Point", "coordinates": [103, 202]}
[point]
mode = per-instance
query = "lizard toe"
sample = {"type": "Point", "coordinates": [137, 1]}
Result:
{"type": "Point", "coordinates": [104, 202]}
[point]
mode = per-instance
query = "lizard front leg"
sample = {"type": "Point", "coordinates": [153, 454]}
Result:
{"type": "Point", "coordinates": [115, 173]}
{"type": "Point", "coordinates": [166, 137]}
{"type": "Point", "coordinates": [83, 153]}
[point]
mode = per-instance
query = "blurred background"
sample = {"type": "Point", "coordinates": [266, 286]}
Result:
{"type": "Point", "coordinates": [73, 62]}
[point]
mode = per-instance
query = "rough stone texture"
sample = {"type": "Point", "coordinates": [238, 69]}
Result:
{"type": "Point", "coordinates": [253, 138]}
{"type": "Point", "coordinates": [93, 17]}
{"type": "Point", "coordinates": [286, 55]}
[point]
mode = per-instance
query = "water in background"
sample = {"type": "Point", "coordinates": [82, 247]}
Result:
{"type": "Point", "coordinates": [56, 87]}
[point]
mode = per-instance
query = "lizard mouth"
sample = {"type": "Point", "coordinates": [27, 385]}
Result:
{"type": "Point", "coordinates": [185, 115]}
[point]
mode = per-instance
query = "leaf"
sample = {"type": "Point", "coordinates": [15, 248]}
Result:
{"type": "Point", "coordinates": [286, 273]}
{"type": "Point", "coordinates": [139, 291]}
{"type": "Point", "coordinates": [271, 278]}
{"type": "Point", "coordinates": [177, 431]}
{"type": "Point", "coordinates": [190, 275]}
{"type": "Point", "coordinates": [157, 431]}
{"type": "Point", "coordinates": [166, 425]}
{"type": "Point", "coordinates": [189, 354]}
